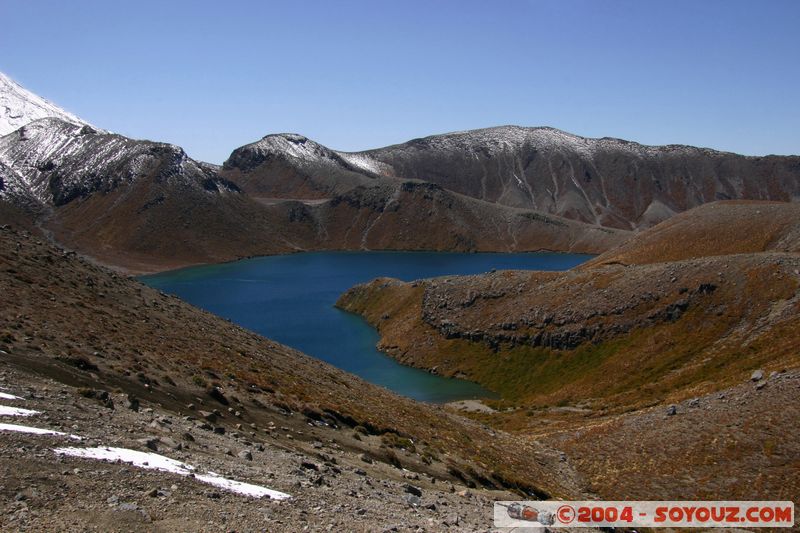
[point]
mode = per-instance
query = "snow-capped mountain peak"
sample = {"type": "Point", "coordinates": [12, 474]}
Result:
{"type": "Point", "coordinates": [19, 106]}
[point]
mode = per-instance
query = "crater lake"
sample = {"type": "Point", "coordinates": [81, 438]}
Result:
{"type": "Point", "coordinates": [290, 299]}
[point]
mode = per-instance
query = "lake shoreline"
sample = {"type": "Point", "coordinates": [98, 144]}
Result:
{"type": "Point", "coordinates": [291, 298]}
{"type": "Point", "coordinates": [137, 274]}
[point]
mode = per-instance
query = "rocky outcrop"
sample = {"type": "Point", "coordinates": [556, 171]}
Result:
{"type": "Point", "coordinates": [637, 299]}
{"type": "Point", "coordinates": [627, 333]}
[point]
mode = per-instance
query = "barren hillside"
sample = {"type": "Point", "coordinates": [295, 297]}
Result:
{"type": "Point", "coordinates": [590, 359]}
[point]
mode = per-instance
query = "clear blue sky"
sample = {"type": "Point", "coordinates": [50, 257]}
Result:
{"type": "Point", "coordinates": [211, 76]}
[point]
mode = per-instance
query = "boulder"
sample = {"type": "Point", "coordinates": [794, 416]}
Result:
{"type": "Point", "coordinates": [411, 489]}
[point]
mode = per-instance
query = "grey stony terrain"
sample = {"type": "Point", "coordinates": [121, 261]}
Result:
{"type": "Point", "coordinates": [332, 489]}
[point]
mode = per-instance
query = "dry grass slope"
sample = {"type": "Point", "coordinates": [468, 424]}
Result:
{"type": "Point", "coordinates": [589, 359]}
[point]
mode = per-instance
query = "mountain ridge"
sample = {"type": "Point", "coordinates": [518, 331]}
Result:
{"type": "Point", "coordinates": [506, 188]}
{"type": "Point", "coordinates": [146, 206]}
{"type": "Point", "coordinates": [565, 134]}
{"type": "Point", "coordinates": [606, 181]}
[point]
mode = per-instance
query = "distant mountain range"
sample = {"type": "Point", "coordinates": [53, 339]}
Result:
{"type": "Point", "coordinates": [144, 205]}
{"type": "Point", "coordinates": [609, 182]}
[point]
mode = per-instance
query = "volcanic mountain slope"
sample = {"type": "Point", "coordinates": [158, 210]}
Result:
{"type": "Point", "coordinates": [131, 203]}
{"type": "Point", "coordinates": [620, 336]}
{"type": "Point", "coordinates": [413, 215]}
{"type": "Point", "coordinates": [292, 166]}
{"type": "Point", "coordinates": [605, 181]}
{"type": "Point", "coordinates": [145, 206]}
{"type": "Point", "coordinates": [589, 359]}
{"type": "Point", "coordinates": [68, 320]}
{"type": "Point", "coordinates": [19, 106]}
{"type": "Point", "coordinates": [61, 161]}
{"type": "Point", "coordinates": [15, 190]}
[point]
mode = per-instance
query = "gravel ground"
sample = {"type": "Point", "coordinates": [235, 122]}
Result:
{"type": "Point", "coordinates": [332, 489]}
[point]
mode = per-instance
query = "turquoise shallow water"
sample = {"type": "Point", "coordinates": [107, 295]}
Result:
{"type": "Point", "coordinates": [290, 299]}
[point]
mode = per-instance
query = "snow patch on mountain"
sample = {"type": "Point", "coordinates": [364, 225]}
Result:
{"type": "Point", "coordinates": [363, 162]}
{"type": "Point", "coordinates": [508, 139]}
{"type": "Point", "coordinates": [19, 107]}
{"type": "Point", "coordinates": [303, 152]}
{"type": "Point", "coordinates": [54, 161]}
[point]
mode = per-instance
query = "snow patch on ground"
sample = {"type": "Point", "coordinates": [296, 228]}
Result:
{"type": "Point", "coordinates": [239, 487]}
{"type": "Point", "coordinates": [34, 431]}
{"type": "Point", "coordinates": [147, 460]}
{"type": "Point", "coordinates": [154, 461]}
{"type": "Point", "coordinates": [16, 411]}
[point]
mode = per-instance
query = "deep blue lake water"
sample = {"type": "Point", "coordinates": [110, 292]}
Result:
{"type": "Point", "coordinates": [290, 299]}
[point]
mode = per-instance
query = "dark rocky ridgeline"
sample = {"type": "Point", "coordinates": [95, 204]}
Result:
{"type": "Point", "coordinates": [147, 206]}
{"type": "Point", "coordinates": [141, 205]}
{"type": "Point", "coordinates": [606, 181]}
